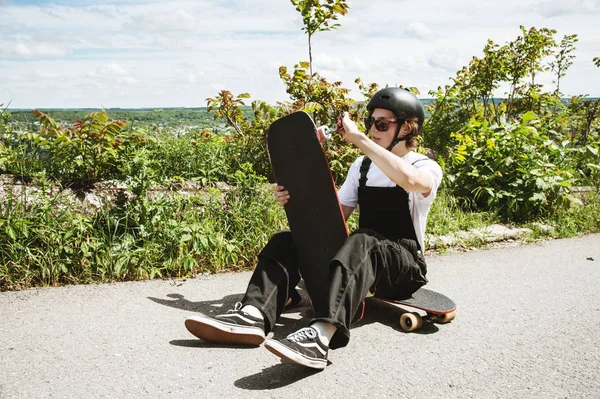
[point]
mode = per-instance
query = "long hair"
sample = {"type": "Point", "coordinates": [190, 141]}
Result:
{"type": "Point", "coordinates": [413, 131]}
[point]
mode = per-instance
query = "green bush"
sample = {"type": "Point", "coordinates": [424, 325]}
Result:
{"type": "Point", "coordinates": [91, 149]}
{"type": "Point", "coordinates": [514, 169]}
{"type": "Point", "coordinates": [46, 242]}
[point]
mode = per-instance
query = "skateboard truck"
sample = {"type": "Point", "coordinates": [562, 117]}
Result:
{"type": "Point", "coordinates": [326, 132]}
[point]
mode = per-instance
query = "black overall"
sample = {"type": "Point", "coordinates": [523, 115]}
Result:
{"type": "Point", "coordinates": [383, 256]}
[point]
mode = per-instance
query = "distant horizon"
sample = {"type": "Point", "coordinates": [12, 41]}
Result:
{"type": "Point", "coordinates": [133, 54]}
{"type": "Point", "coordinates": [192, 108]}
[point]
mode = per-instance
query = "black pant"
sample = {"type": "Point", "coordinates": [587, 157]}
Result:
{"type": "Point", "coordinates": [366, 262]}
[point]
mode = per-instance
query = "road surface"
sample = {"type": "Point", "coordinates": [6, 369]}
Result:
{"type": "Point", "coordinates": [528, 325]}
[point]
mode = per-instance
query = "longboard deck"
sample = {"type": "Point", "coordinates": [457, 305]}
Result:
{"type": "Point", "coordinates": [300, 166]}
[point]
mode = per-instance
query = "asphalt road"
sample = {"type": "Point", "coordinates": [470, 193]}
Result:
{"type": "Point", "coordinates": [527, 326]}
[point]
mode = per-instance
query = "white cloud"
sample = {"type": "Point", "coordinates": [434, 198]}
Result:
{"type": "Point", "coordinates": [44, 74]}
{"type": "Point", "coordinates": [419, 30]}
{"type": "Point", "coordinates": [128, 80]}
{"type": "Point", "coordinates": [39, 50]}
{"type": "Point", "coordinates": [326, 61]}
{"type": "Point", "coordinates": [357, 65]}
{"type": "Point", "coordinates": [217, 87]}
{"type": "Point", "coordinates": [165, 21]}
{"type": "Point", "coordinates": [273, 66]}
{"type": "Point", "coordinates": [107, 70]}
{"type": "Point", "coordinates": [114, 69]}
{"type": "Point", "coordinates": [561, 8]}
{"type": "Point", "coordinates": [447, 59]}
{"type": "Point", "coordinates": [187, 73]}
{"type": "Point", "coordinates": [124, 53]}
{"type": "Point", "coordinates": [330, 75]}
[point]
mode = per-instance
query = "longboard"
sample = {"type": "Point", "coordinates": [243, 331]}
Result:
{"type": "Point", "coordinates": [433, 306]}
{"type": "Point", "coordinates": [314, 212]}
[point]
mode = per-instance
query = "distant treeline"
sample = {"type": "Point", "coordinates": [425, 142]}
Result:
{"type": "Point", "coordinates": [161, 117]}
{"type": "Point", "coordinates": [199, 117]}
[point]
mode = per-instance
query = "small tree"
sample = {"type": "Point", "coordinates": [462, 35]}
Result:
{"type": "Point", "coordinates": [563, 59]}
{"type": "Point", "coordinates": [317, 16]}
{"type": "Point", "coordinates": [585, 113]}
{"type": "Point", "coordinates": [227, 107]}
{"type": "Point", "coordinates": [524, 58]}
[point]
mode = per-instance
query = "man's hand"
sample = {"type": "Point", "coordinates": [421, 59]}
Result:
{"type": "Point", "coordinates": [322, 132]}
{"type": "Point", "coordinates": [281, 195]}
{"type": "Point", "coordinates": [349, 129]}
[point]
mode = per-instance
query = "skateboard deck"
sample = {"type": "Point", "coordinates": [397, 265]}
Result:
{"type": "Point", "coordinates": [314, 212]}
{"type": "Point", "coordinates": [430, 305]}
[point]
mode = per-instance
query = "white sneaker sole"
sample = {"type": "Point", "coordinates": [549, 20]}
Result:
{"type": "Point", "coordinates": [286, 353]}
{"type": "Point", "coordinates": [212, 330]}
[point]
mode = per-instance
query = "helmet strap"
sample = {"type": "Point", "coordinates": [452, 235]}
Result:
{"type": "Point", "coordinates": [398, 139]}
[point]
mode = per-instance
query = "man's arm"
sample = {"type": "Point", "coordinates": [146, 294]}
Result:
{"type": "Point", "coordinates": [347, 211]}
{"type": "Point", "coordinates": [397, 169]}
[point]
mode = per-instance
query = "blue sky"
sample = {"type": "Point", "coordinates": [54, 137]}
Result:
{"type": "Point", "coordinates": [177, 53]}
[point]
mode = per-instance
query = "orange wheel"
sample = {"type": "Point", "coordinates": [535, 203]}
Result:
{"type": "Point", "coordinates": [411, 321]}
{"type": "Point", "coordinates": [447, 318]}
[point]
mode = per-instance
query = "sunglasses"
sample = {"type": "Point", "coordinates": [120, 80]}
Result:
{"type": "Point", "coordinates": [380, 124]}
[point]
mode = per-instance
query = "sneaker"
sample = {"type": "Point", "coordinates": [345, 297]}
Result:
{"type": "Point", "coordinates": [303, 347]}
{"type": "Point", "coordinates": [234, 327]}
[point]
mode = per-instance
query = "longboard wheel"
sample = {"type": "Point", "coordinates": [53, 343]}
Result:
{"type": "Point", "coordinates": [411, 321]}
{"type": "Point", "coordinates": [447, 318]}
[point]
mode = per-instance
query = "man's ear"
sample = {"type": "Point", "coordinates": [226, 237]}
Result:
{"type": "Point", "coordinates": [404, 129]}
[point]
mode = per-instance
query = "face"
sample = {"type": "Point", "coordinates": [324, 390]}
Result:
{"type": "Point", "coordinates": [384, 139]}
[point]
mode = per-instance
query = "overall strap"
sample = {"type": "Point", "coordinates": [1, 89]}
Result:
{"type": "Point", "coordinates": [364, 169]}
{"type": "Point", "coordinates": [366, 164]}
{"type": "Point", "coordinates": [422, 159]}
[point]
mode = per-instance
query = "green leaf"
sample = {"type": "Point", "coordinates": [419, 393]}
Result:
{"type": "Point", "coordinates": [538, 197]}
{"type": "Point", "coordinates": [185, 238]}
{"type": "Point", "coordinates": [528, 117]}
{"type": "Point", "coordinates": [11, 232]}
{"type": "Point", "coordinates": [540, 183]}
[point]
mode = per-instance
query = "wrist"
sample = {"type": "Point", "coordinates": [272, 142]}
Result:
{"type": "Point", "coordinates": [361, 141]}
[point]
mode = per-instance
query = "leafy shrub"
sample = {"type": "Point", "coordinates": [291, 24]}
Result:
{"type": "Point", "coordinates": [46, 242]}
{"type": "Point", "coordinates": [513, 169]}
{"type": "Point", "coordinates": [91, 149]}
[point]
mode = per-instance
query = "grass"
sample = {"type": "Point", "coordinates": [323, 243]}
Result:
{"type": "Point", "coordinates": [44, 242]}
{"type": "Point", "coordinates": [446, 216]}
{"type": "Point", "coordinates": [570, 222]}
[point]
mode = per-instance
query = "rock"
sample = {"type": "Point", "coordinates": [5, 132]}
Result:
{"type": "Point", "coordinates": [100, 194]}
{"type": "Point", "coordinates": [488, 234]}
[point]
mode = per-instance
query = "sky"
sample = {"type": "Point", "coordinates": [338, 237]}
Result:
{"type": "Point", "coordinates": [152, 53]}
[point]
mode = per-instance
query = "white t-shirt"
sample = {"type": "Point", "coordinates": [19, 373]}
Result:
{"type": "Point", "coordinates": [418, 204]}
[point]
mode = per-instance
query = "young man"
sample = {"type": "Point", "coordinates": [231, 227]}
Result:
{"type": "Point", "coordinates": [394, 187]}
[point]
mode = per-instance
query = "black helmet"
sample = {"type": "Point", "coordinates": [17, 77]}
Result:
{"type": "Point", "coordinates": [401, 102]}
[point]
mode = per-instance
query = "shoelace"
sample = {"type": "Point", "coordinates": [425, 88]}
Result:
{"type": "Point", "coordinates": [236, 308]}
{"type": "Point", "coordinates": [302, 334]}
